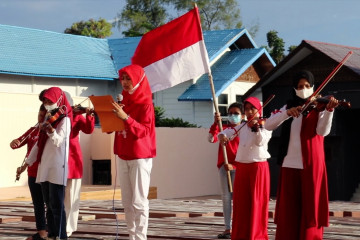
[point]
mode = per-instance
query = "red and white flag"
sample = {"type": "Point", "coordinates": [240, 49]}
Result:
{"type": "Point", "coordinates": [173, 53]}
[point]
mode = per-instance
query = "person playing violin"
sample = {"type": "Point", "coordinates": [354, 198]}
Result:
{"type": "Point", "coordinates": [72, 192]}
{"type": "Point", "coordinates": [302, 206]}
{"type": "Point", "coordinates": [51, 151]}
{"type": "Point", "coordinates": [252, 179]}
{"type": "Point", "coordinates": [30, 138]}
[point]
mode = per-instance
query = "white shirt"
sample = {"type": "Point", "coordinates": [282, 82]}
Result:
{"type": "Point", "coordinates": [54, 160]}
{"type": "Point", "coordinates": [293, 158]}
{"type": "Point", "coordinates": [252, 146]}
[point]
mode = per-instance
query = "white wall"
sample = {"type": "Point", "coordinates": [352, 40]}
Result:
{"type": "Point", "coordinates": [185, 164]}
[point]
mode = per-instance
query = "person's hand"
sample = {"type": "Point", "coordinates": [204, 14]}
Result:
{"type": "Point", "coordinates": [89, 111]}
{"type": "Point", "coordinates": [20, 170]}
{"type": "Point", "coordinates": [217, 117]}
{"type": "Point", "coordinates": [15, 143]}
{"type": "Point", "coordinates": [294, 111]}
{"type": "Point", "coordinates": [47, 127]}
{"type": "Point", "coordinates": [118, 110]}
{"type": "Point", "coordinates": [228, 167]}
{"type": "Point", "coordinates": [333, 103]}
{"type": "Point", "coordinates": [223, 139]}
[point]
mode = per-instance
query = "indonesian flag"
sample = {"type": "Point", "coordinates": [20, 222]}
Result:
{"type": "Point", "coordinates": [173, 53]}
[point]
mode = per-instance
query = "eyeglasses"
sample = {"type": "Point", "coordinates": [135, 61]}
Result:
{"type": "Point", "coordinates": [235, 113]}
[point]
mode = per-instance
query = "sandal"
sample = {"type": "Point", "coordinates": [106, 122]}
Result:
{"type": "Point", "coordinates": [36, 236]}
{"type": "Point", "coordinates": [224, 236]}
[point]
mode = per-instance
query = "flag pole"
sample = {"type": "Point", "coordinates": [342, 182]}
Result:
{"type": "Point", "coordinates": [221, 128]}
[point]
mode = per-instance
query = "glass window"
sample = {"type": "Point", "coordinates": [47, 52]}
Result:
{"type": "Point", "coordinates": [239, 98]}
{"type": "Point", "coordinates": [223, 104]}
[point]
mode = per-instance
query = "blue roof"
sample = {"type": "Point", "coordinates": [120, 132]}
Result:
{"type": "Point", "coordinates": [218, 41]}
{"type": "Point", "coordinates": [122, 50]}
{"type": "Point", "coordinates": [224, 71]}
{"type": "Point", "coordinates": [33, 52]}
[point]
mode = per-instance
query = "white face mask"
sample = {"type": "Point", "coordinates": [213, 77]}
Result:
{"type": "Point", "coordinates": [305, 92]}
{"type": "Point", "coordinates": [137, 85]}
{"type": "Point", "coordinates": [50, 107]}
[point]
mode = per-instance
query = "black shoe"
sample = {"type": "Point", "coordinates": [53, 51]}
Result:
{"type": "Point", "coordinates": [37, 236]}
{"type": "Point", "coordinates": [224, 236]}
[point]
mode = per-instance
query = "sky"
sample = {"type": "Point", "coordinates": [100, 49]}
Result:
{"type": "Point", "coordinates": [331, 21]}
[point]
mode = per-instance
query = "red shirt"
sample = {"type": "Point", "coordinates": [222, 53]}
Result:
{"type": "Point", "coordinates": [231, 147]}
{"type": "Point", "coordinates": [75, 161]}
{"type": "Point", "coordinates": [30, 140]}
{"type": "Point", "coordinates": [138, 139]}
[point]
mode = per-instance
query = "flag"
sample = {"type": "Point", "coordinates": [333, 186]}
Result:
{"type": "Point", "coordinates": [173, 53]}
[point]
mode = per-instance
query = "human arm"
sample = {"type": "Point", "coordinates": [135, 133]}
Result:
{"type": "Point", "coordinates": [214, 129]}
{"type": "Point", "coordinates": [60, 133]}
{"type": "Point", "coordinates": [22, 140]}
{"type": "Point", "coordinates": [140, 121]}
{"type": "Point", "coordinates": [325, 118]}
{"type": "Point", "coordinates": [85, 124]}
{"type": "Point", "coordinates": [278, 117]}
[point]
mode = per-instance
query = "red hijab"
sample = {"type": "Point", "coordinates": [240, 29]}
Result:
{"type": "Point", "coordinates": [255, 102]}
{"type": "Point", "coordinates": [142, 93]}
{"type": "Point", "coordinates": [56, 95]}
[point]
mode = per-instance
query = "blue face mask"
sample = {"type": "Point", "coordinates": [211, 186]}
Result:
{"type": "Point", "coordinates": [234, 119]}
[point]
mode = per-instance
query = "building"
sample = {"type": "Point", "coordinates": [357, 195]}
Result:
{"type": "Point", "coordinates": [341, 145]}
{"type": "Point", "coordinates": [32, 60]}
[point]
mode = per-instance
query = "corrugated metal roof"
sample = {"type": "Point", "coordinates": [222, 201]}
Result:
{"type": "Point", "coordinates": [33, 52]}
{"type": "Point", "coordinates": [226, 70]}
{"type": "Point", "coordinates": [338, 52]}
{"type": "Point", "coordinates": [122, 50]}
{"type": "Point", "coordinates": [334, 51]}
{"type": "Point", "coordinates": [217, 42]}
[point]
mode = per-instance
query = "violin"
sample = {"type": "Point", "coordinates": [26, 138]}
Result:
{"type": "Point", "coordinates": [320, 104]}
{"type": "Point", "coordinates": [54, 116]}
{"type": "Point", "coordinates": [78, 109]}
{"type": "Point", "coordinates": [258, 125]}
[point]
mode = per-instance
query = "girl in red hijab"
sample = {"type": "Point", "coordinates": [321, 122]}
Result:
{"type": "Point", "coordinates": [52, 151]}
{"type": "Point", "coordinates": [252, 179]}
{"type": "Point", "coordinates": [135, 147]}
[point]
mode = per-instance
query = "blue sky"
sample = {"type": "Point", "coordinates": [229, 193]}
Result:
{"type": "Point", "coordinates": [332, 21]}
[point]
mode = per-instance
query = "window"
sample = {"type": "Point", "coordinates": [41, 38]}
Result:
{"type": "Point", "coordinates": [239, 98]}
{"type": "Point", "coordinates": [223, 104]}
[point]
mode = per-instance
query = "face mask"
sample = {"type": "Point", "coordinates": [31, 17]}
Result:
{"type": "Point", "coordinates": [50, 107]}
{"type": "Point", "coordinates": [234, 119]}
{"type": "Point", "coordinates": [137, 85]}
{"type": "Point", "coordinates": [304, 93]}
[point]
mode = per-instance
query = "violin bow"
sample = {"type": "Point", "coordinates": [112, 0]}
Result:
{"type": "Point", "coordinates": [268, 100]}
{"type": "Point", "coordinates": [325, 82]}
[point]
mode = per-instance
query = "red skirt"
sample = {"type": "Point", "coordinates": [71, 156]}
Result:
{"type": "Point", "coordinates": [293, 215]}
{"type": "Point", "coordinates": [251, 201]}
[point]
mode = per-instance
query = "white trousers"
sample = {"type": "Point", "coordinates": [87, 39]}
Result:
{"type": "Point", "coordinates": [72, 204]}
{"type": "Point", "coordinates": [134, 177]}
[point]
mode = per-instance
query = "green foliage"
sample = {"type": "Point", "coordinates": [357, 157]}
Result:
{"type": "Point", "coordinates": [91, 28]}
{"type": "Point", "coordinates": [141, 16]}
{"type": "Point", "coordinates": [276, 46]}
{"type": "Point", "coordinates": [292, 48]}
{"type": "Point", "coordinates": [215, 14]}
{"type": "Point", "coordinates": [161, 121]}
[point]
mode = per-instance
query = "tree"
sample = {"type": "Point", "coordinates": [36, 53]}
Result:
{"type": "Point", "coordinates": [161, 121]}
{"type": "Point", "coordinates": [141, 16]}
{"type": "Point", "coordinates": [292, 48]}
{"type": "Point", "coordinates": [215, 14]}
{"type": "Point", "coordinates": [91, 28]}
{"type": "Point", "coordinates": [276, 46]}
